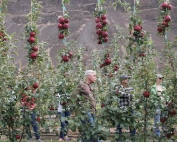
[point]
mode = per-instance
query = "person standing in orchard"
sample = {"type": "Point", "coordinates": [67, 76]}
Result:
{"type": "Point", "coordinates": [28, 106]}
{"type": "Point", "coordinates": [158, 96]}
{"type": "Point", "coordinates": [123, 91]}
{"type": "Point", "coordinates": [86, 91]}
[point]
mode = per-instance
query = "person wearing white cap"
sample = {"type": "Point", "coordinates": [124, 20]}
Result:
{"type": "Point", "coordinates": [159, 97]}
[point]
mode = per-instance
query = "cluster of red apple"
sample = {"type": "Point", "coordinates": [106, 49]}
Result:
{"type": "Point", "coordinates": [34, 48]}
{"type": "Point", "coordinates": [2, 36]}
{"type": "Point", "coordinates": [138, 31]}
{"type": "Point", "coordinates": [63, 26]}
{"type": "Point", "coordinates": [67, 56]}
{"type": "Point", "coordinates": [107, 61]}
{"type": "Point", "coordinates": [29, 102]}
{"type": "Point", "coordinates": [101, 29]}
{"type": "Point", "coordinates": [166, 19]}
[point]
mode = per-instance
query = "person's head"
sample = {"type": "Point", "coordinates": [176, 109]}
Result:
{"type": "Point", "coordinates": [159, 78]}
{"type": "Point", "coordinates": [90, 76]}
{"type": "Point", "coordinates": [124, 80]}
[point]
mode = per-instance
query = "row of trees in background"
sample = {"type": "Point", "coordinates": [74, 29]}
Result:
{"type": "Point", "coordinates": [40, 81]}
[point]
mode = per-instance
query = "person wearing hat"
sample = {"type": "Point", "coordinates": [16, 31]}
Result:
{"type": "Point", "coordinates": [159, 97]}
{"type": "Point", "coordinates": [125, 99]}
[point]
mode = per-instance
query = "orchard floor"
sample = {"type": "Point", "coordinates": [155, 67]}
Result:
{"type": "Point", "coordinates": [51, 137]}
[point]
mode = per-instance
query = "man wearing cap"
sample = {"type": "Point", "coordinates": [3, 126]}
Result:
{"type": "Point", "coordinates": [159, 97]}
{"type": "Point", "coordinates": [125, 98]}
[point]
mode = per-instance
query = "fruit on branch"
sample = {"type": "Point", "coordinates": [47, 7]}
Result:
{"type": "Point", "coordinates": [65, 58]}
{"type": "Point", "coordinates": [32, 34]}
{"type": "Point", "coordinates": [51, 108]}
{"type": "Point", "coordinates": [164, 5]}
{"type": "Point", "coordinates": [103, 105]}
{"type": "Point", "coordinates": [160, 29]}
{"type": "Point", "coordinates": [60, 26]}
{"type": "Point", "coordinates": [102, 65]}
{"type": "Point", "coordinates": [167, 18]}
{"type": "Point", "coordinates": [38, 119]}
{"type": "Point", "coordinates": [63, 103]}
{"type": "Point", "coordinates": [168, 135]}
{"type": "Point", "coordinates": [137, 28]}
{"type": "Point", "coordinates": [116, 68]}
{"type": "Point", "coordinates": [146, 94]}
{"type": "Point", "coordinates": [97, 20]}
{"type": "Point", "coordinates": [107, 61]}
{"type": "Point", "coordinates": [169, 6]}
{"type": "Point", "coordinates": [172, 112]}
{"type": "Point", "coordinates": [17, 137]}
{"type": "Point", "coordinates": [33, 55]}
{"type": "Point", "coordinates": [35, 48]}
{"type": "Point", "coordinates": [31, 40]}
{"type": "Point", "coordinates": [105, 39]}
{"type": "Point", "coordinates": [99, 26]}
{"type": "Point", "coordinates": [70, 54]}
{"type": "Point", "coordinates": [61, 36]}
{"type": "Point", "coordinates": [61, 20]}
{"type": "Point", "coordinates": [63, 26]}
{"type": "Point", "coordinates": [142, 54]}
{"type": "Point", "coordinates": [66, 20]}
{"type": "Point", "coordinates": [98, 32]}
{"type": "Point", "coordinates": [104, 34]}
{"type": "Point", "coordinates": [35, 85]}
{"type": "Point", "coordinates": [163, 119]}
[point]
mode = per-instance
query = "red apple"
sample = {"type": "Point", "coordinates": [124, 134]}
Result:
{"type": "Point", "coordinates": [35, 48]}
{"type": "Point", "coordinates": [137, 28]}
{"type": "Point", "coordinates": [146, 94]}
{"type": "Point", "coordinates": [17, 137]}
{"type": "Point", "coordinates": [33, 55]}
{"type": "Point", "coordinates": [35, 85]}
{"type": "Point", "coordinates": [104, 22]}
{"type": "Point", "coordinates": [107, 61]}
{"type": "Point", "coordinates": [163, 119]}
{"type": "Point", "coordinates": [160, 29]}
{"type": "Point", "coordinates": [66, 20]}
{"type": "Point", "coordinates": [169, 6]}
{"type": "Point", "coordinates": [105, 39]}
{"type": "Point", "coordinates": [61, 36]}
{"type": "Point", "coordinates": [65, 58]}
{"type": "Point", "coordinates": [32, 34]}
{"type": "Point", "coordinates": [99, 42]}
{"type": "Point", "coordinates": [102, 65]}
{"type": "Point", "coordinates": [165, 24]}
{"type": "Point", "coordinates": [103, 17]}
{"type": "Point", "coordinates": [51, 108]}
{"type": "Point", "coordinates": [60, 26]}
{"type": "Point", "coordinates": [38, 119]}
{"type": "Point", "coordinates": [98, 25]}
{"type": "Point", "coordinates": [164, 5]}
{"type": "Point", "coordinates": [116, 68]}
{"type": "Point", "coordinates": [4, 39]}
{"type": "Point", "coordinates": [168, 135]}
{"type": "Point", "coordinates": [172, 112]}
{"type": "Point", "coordinates": [31, 40]}
{"type": "Point", "coordinates": [63, 103]}
{"type": "Point", "coordinates": [103, 105]}
{"type": "Point", "coordinates": [61, 20]}
{"type": "Point", "coordinates": [97, 20]}
{"type": "Point", "coordinates": [167, 18]}
{"type": "Point", "coordinates": [65, 26]}
{"type": "Point", "coordinates": [70, 54]}
{"type": "Point", "coordinates": [104, 34]}
{"type": "Point", "coordinates": [99, 32]}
